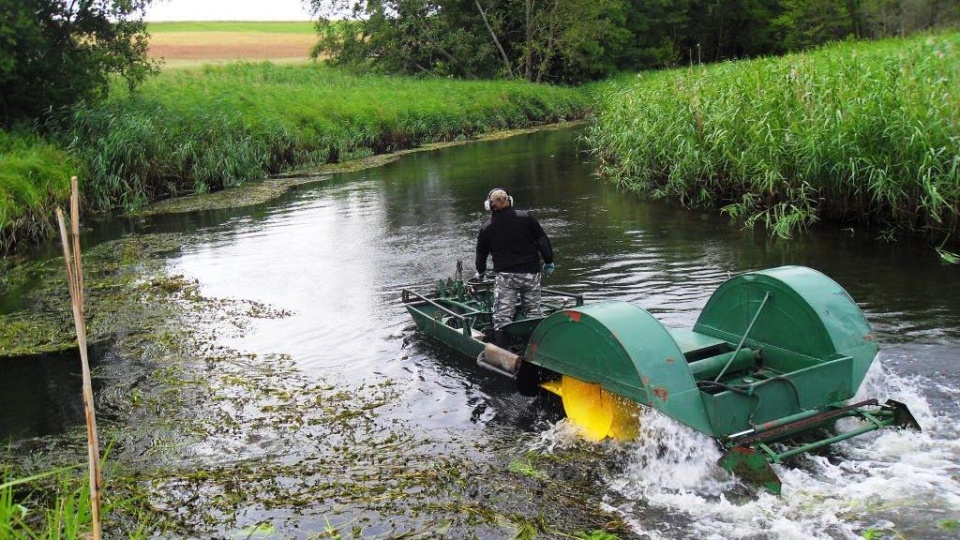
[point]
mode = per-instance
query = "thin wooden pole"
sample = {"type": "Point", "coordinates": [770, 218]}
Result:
{"type": "Point", "coordinates": [71, 257]}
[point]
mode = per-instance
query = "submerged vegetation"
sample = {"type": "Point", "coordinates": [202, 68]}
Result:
{"type": "Point", "coordinates": [855, 133]}
{"type": "Point", "coordinates": [209, 441]}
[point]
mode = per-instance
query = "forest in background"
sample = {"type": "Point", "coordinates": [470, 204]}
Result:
{"type": "Point", "coordinates": [573, 41]}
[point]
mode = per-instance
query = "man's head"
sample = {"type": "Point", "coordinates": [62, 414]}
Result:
{"type": "Point", "coordinates": [498, 199]}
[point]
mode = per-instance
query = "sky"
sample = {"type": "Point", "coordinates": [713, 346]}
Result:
{"type": "Point", "coordinates": [227, 10]}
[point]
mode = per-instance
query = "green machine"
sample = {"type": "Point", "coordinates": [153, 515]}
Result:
{"type": "Point", "coordinates": [767, 369]}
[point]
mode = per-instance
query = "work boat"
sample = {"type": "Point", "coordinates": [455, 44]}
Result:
{"type": "Point", "coordinates": [767, 370]}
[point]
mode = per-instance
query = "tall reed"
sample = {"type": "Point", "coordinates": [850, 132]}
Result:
{"type": "Point", "coordinates": [857, 132]}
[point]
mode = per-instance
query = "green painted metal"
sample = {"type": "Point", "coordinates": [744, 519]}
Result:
{"type": "Point", "coordinates": [773, 357]}
{"type": "Point", "coordinates": [752, 466]}
{"type": "Point", "coordinates": [808, 314]}
{"type": "Point", "coordinates": [459, 313]}
{"type": "Point", "coordinates": [627, 351]}
{"type": "Point", "coordinates": [816, 346]}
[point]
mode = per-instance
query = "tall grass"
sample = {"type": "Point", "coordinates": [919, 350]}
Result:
{"type": "Point", "coordinates": [858, 132]}
{"type": "Point", "coordinates": [55, 505]}
{"type": "Point", "coordinates": [204, 129]}
{"type": "Point", "coordinates": [34, 177]}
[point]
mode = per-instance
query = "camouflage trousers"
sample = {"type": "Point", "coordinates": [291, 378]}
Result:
{"type": "Point", "coordinates": [507, 287]}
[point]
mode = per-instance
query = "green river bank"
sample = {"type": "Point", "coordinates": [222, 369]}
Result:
{"type": "Point", "coordinates": [851, 134]}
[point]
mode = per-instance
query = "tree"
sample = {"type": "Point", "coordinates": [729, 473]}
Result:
{"type": "Point", "coordinates": [568, 40]}
{"type": "Point", "coordinates": [656, 30]}
{"type": "Point", "coordinates": [540, 40]}
{"type": "Point", "coordinates": [732, 29]}
{"type": "Point", "coordinates": [807, 23]}
{"type": "Point", "coordinates": [54, 53]}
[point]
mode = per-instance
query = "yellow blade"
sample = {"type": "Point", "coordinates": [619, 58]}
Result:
{"type": "Point", "coordinates": [553, 387]}
{"type": "Point", "coordinates": [598, 413]}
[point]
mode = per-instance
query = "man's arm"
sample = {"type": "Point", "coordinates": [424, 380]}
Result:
{"type": "Point", "coordinates": [545, 249]}
{"type": "Point", "coordinates": [483, 250]}
{"type": "Point", "coordinates": [542, 241]}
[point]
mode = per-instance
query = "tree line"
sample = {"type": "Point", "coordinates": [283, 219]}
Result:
{"type": "Point", "coordinates": [574, 41]}
{"type": "Point", "coordinates": [54, 53]}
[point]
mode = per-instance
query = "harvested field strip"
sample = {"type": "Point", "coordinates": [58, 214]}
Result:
{"type": "Point", "coordinates": [229, 45]}
{"type": "Point", "coordinates": [271, 27]}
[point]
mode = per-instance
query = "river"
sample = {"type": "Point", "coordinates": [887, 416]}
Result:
{"type": "Point", "coordinates": [333, 255]}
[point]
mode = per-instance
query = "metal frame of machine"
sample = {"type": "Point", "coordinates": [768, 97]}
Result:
{"type": "Point", "coordinates": [766, 370]}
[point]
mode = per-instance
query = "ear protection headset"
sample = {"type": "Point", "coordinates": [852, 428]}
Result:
{"type": "Point", "coordinates": [486, 202]}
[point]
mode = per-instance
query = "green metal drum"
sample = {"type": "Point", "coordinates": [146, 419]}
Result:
{"type": "Point", "coordinates": [774, 355]}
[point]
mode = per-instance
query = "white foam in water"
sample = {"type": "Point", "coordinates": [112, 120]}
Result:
{"type": "Point", "coordinates": [890, 481]}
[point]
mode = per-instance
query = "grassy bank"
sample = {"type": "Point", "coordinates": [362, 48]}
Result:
{"type": "Point", "coordinates": [203, 129]}
{"type": "Point", "coordinates": [855, 133]}
{"type": "Point", "coordinates": [34, 176]}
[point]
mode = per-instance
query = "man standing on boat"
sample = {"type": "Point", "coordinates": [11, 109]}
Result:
{"type": "Point", "coordinates": [517, 242]}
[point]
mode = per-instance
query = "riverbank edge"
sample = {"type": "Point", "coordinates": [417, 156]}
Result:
{"type": "Point", "coordinates": [275, 186]}
{"type": "Point", "coordinates": [35, 223]}
{"type": "Point", "coordinates": [46, 330]}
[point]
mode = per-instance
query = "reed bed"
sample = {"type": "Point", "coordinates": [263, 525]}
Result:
{"type": "Point", "coordinates": [852, 133]}
{"type": "Point", "coordinates": [34, 177]}
{"type": "Point", "coordinates": [199, 130]}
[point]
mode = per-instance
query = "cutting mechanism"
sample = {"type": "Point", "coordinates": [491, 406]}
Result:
{"type": "Point", "coordinates": [767, 370]}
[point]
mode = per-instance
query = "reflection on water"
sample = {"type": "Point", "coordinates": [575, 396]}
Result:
{"type": "Point", "coordinates": [35, 395]}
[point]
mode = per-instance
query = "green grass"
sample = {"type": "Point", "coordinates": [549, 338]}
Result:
{"type": "Point", "coordinates": [273, 27]}
{"type": "Point", "coordinates": [204, 129]}
{"type": "Point", "coordinates": [853, 133]}
{"type": "Point", "coordinates": [55, 505]}
{"type": "Point", "coordinates": [34, 177]}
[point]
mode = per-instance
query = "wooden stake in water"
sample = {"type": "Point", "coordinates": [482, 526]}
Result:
{"type": "Point", "coordinates": [71, 257]}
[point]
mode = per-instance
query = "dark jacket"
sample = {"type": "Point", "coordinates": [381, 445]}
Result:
{"type": "Point", "coordinates": [516, 240]}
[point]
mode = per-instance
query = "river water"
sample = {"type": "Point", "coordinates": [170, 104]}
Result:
{"type": "Point", "coordinates": [335, 254]}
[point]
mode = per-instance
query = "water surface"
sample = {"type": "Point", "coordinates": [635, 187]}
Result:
{"type": "Point", "coordinates": [335, 254]}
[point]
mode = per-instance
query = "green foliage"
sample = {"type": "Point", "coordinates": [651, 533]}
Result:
{"type": "Point", "coordinates": [570, 41]}
{"type": "Point", "coordinates": [34, 176]}
{"type": "Point", "coordinates": [526, 469]}
{"type": "Point", "coordinates": [657, 29]}
{"type": "Point", "coordinates": [584, 40]}
{"type": "Point", "coordinates": [852, 133]}
{"type": "Point", "coordinates": [597, 535]}
{"type": "Point", "coordinates": [190, 131]}
{"type": "Point", "coordinates": [807, 23]}
{"type": "Point", "coordinates": [55, 505]}
{"type": "Point", "coordinates": [54, 54]}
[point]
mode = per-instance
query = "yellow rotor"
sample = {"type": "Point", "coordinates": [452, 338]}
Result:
{"type": "Point", "coordinates": [599, 414]}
